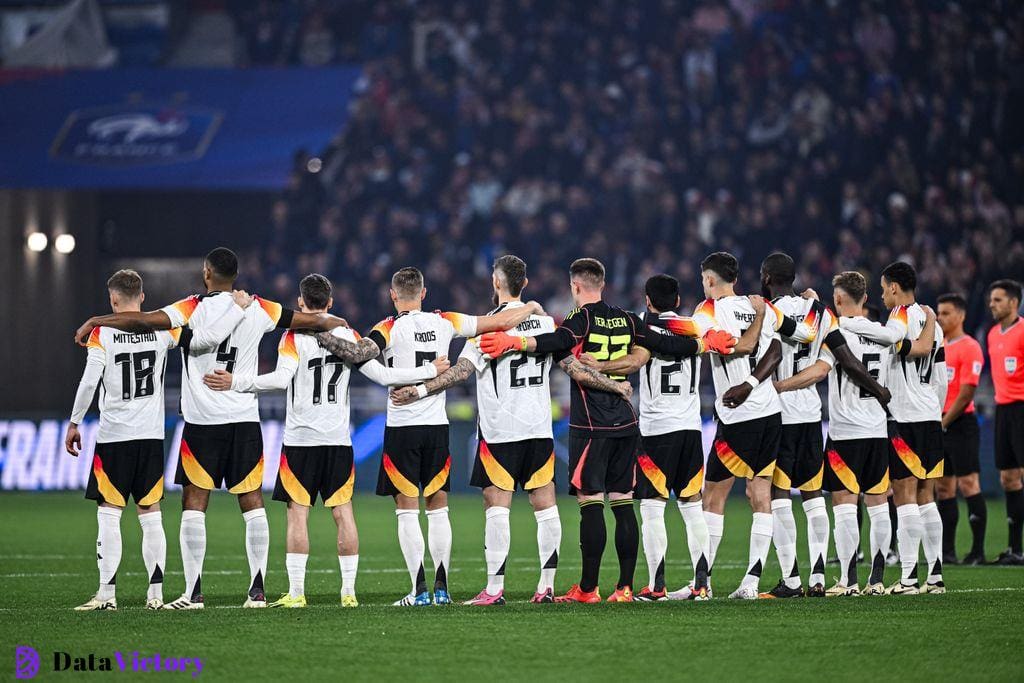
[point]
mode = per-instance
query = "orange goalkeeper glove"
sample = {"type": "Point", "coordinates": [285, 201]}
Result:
{"type": "Point", "coordinates": [497, 344]}
{"type": "Point", "coordinates": [718, 341]}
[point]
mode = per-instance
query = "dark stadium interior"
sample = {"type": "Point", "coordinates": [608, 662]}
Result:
{"type": "Point", "coordinates": [354, 138]}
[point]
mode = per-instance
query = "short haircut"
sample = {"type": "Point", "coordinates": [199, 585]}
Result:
{"type": "Point", "coordinates": [1011, 287]}
{"type": "Point", "coordinates": [512, 271]}
{"type": "Point", "coordinates": [851, 282]}
{"type": "Point", "coordinates": [589, 270]}
{"type": "Point", "coordinates": [223, 262]}
{"type": "Point", "coordinates": [407, 283]}
{"type": "Point", "coordinates": [315, 290]}
{"type": "Point", "coordinates": [779, 267]}
{"type": "Point", "coordinates": [957, 300]}
{"type": "Point", "coordinates": [126, 282]}
{"type": "Point", "coordinates": [901, 273]}
{"type": "Point", "coordinates": [723, 264]}
{"type": "Point", "coordinates": [663, 291]}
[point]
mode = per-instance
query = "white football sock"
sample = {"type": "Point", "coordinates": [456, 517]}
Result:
{"type": "Point", "coordinates": [439, 538]}
{"type": "Point", "coordinates": [655, 539]}
{"type": "Point", "coordinates": [410, 539]}
{"type": "Point", "coordinates": [817, 538]}
{"type": "Point", "coordinates": [192, 538]}
{"type": "Point", "coordinates": [697, 539]}
{"type": "Point", "coordinates": [847, 536]}
{"type": "Point", "coordinates": [881, 539]}
{"type": "Point", "coordinates": [909, 531]}
{"type": "Point", "coordinates": [931, 540]}
{"type": "Point", "coordinates": [295, 563]}
{"type": "Point", "coordinates": [257, 548]}
{"type": "Point", "coordinates": [760, 542]}
{"type": "Point", "coordinates": [549, 539]}
{"type": "Point", "coordinates": [784, 538]}
{"type": "Point", "coordinates": [108, 549]}
{"type": "Point", "coordinates": [716, 524]}
{"type": "Point", "coordinates": [497, 537]}
{"type": "Point", "coordinates": [154, 552]}
{"type": "Point", "coordinates": [349, 568]}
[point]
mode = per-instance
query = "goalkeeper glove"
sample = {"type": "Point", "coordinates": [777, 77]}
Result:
{"type": "Point", "coordinates": [497, 344]}
{"type": "Point", "coordinates": [718, 341]}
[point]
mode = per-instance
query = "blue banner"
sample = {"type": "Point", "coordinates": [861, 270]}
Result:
{"type": "Point", "coordinates": [168, 128]}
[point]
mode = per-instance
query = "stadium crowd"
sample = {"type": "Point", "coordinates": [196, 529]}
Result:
{"type": "Point", "coordinates": [661, 130]}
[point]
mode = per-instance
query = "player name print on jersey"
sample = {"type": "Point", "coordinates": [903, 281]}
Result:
{"type": "Point", "coordinates": [513, 393]}
{"type": "Point", "coordinates": [129, 369]}
{"type": "Point", "coordinates": [412, 339]}
{"type": "Point", "coordinates": [669, 396]}
{"type": "Point", "coordinates": [853, 412]}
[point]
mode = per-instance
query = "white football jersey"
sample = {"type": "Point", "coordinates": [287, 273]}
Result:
{"type": "Point", "coordinates": [914, 396]}
{"type": "Point", "coordinates": [734, 314]}
{"type": "Point", "coordinates": [513, 393]}
{"type": "Point", "coordinates": [852, 412]}
{"type": "Point", "coordinates": [413, 339]}
{"type": "Point", "coordinates": [129, 368]}
{"type": "Point", "coordinates": [205, 347]}
{"type": "Point", "coordinates": [669, 399]}
{"type": "Point", "coordinates": [804, 405]}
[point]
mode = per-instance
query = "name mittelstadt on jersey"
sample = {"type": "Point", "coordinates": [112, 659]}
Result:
{"type": "Point", "coordinates": [124, 662]}
{"type": "Point", "coordinates": [428, 336]}
{"type": "Point", "coordinates": [134, 337]}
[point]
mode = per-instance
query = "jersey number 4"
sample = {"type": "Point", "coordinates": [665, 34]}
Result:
{"type": "Point", "coordinates": [136, 374]}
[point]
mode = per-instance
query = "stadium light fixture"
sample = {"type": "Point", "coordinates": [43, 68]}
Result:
{"type": "Point", "coordinates": [37, 241]}
{"type": "Point", "coordinates": [65, 243]}
{"type": "Point", "coordinates": [314, 165]}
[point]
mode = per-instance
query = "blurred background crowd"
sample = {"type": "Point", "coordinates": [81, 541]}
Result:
{"type": "Point", "coordinates": [648, 133]}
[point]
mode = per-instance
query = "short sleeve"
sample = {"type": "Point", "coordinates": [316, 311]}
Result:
{"type": "Point", "coordinates": [270, 312]}
{"type": "Point", "coordinates": [173, 337]}
{"type": "Point", "coordinates": [897, 321]}
{"type": "Point", "coordinates": [94, 341]}
{"type": "Point", "coordinates": [682, 326]}
{"type": "Point", "coordinates": [180, 312]}
{"type": "Point", "coordinates": [704, 316]}
{"type": "Point", "coordinates": [464, 325]}
{"type": "Point", "coordinates": [826, 355]}
{"type": "Point", "coordinates": [471, 352]}
{"type": "Point", "coordinates": [970, 369]}
{"type": "Point", "coordinates": [381, 333]}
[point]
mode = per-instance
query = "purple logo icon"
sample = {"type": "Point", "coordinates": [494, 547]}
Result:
{"type": "Point", "coordinates": [26, 662]}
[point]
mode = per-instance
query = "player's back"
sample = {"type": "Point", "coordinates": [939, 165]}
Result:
{"type": "Point", "coordinates": [964, 361]}
{"type": "Point", "coordinates": [513, 392]}
{"type": "Point", "coordinates": [735, 314]}
{"type": "Point", "coordinates": [607, 333]}
{"type": "Point", "coordinates": [239, 352]}
{"type": "Point", "coordinates": [803, 405]}
{"type": "Point", "coordinates": [910, 379]}
{"type": "Point", "coordinates": [318, 395]}
{"type": "Point", "coordinates": [853, 412]}
{"type": "Point", "coordinates": [1006, 351]}
{"type": "Point", "coordinates": [669, 400]}
{"type": "Point", "coordinates": [412, 339]}
{"type": "Point", "coordinates": [131, 398]}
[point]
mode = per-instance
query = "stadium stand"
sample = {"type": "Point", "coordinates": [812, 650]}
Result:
{"type": "Point", "coordinates": [486, 127]}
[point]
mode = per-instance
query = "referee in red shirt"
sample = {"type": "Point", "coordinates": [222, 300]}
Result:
{"type": "Point", "coordinates": [1006, 354]}
{"type": "Point", "coordinates": [964, 361]}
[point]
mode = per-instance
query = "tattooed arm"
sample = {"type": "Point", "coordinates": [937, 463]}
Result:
{"type": "Point", "coordinates": [351, 352]}
{"type": "Point", "coordinates": [457, 373]}
{"type": "Point", "coordinates": [591, 378]}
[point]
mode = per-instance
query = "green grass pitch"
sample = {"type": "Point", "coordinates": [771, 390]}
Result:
{"type": "Point", "coordinates": [47, 566]}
